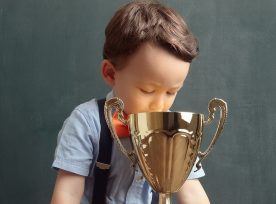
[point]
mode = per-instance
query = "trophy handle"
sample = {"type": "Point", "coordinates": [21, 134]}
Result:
{"type": "Point", "coordinates": [118, 105]}
{"type": "Point", "coordinates": [213, 104]}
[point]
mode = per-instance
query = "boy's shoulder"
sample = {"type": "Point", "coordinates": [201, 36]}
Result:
{"type": "Point", "coordinates": [88, 109]}
{"type": "Point", "coordinates": [87, 113]}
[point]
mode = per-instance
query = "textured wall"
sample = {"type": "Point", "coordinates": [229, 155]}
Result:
{"type": "Point", "coordinates": [50, 54]}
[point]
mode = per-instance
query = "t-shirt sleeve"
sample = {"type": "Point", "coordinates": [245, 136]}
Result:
{"type": "Point", "coordinates": [74, 151]}
{"type": "Point", "coordinates": [196, 173]}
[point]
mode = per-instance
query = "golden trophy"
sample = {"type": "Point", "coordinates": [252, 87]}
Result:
{"type": "Point", "coordinates": [166, 144]}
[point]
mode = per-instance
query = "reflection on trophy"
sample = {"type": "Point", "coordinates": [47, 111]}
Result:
{"type": "Point", "coordinates": [166, 144]}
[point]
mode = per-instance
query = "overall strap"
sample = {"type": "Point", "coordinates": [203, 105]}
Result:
{"type": "Point", "coordinates": [102, 168]}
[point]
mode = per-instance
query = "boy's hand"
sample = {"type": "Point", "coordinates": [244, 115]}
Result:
{"type": "Point", "coordinates": [68, 189]}
{"type": "Point", "coordinates": [192, 192]}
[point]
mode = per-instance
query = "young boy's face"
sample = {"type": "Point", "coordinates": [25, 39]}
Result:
{"type": "Point", "coordinates": [148, 81]}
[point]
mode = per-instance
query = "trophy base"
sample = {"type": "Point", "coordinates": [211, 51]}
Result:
{"type": "Point", "coordinates": [165, 198]}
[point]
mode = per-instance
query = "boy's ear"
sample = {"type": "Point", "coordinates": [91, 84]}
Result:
{"type": "Point", "coordinates": [108, 72]}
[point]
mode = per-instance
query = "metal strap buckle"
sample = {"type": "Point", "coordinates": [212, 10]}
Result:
{"type": "Point", "coordinates": [102, 166]}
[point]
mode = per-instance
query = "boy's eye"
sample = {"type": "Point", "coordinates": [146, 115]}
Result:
{"type": "Point", "coordinates": [172, 93]}
{"type": "Point", "coordinates": [147, 91]}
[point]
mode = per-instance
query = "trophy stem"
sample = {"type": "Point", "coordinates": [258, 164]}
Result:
{"type": "Point", "coordinates": [164, 198]}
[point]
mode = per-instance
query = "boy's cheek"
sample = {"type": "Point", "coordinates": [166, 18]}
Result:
{"type": "Point", "coordinates": [136, 105]}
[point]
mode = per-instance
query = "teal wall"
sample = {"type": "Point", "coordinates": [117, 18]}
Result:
{"type": "Point", "coordinates": [50, 54]}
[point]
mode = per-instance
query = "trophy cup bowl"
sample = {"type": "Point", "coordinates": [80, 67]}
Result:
{"type": "Point", "coordinates": [166, 144]}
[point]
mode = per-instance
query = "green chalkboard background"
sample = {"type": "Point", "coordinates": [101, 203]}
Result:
{"type": "Point", "coordinates": [50, 54]}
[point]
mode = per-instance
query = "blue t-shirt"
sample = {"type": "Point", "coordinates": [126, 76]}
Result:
{"type": "Point", "coordinates": [77, 152]}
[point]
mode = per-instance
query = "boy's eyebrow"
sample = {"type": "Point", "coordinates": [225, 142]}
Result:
{"type": "Point", "coordinates": [178, 86]}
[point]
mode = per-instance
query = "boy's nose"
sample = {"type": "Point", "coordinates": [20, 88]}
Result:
{"type": "Point", "coordinates": [157, 105]}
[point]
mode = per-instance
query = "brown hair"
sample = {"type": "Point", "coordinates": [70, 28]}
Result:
{"type": "Point", "coordinates": [148, 21]}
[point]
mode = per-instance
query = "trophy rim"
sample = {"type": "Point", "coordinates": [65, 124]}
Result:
{"type": "Point", "coordinates": [169, 112]}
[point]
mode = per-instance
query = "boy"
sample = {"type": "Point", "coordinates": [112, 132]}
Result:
{"type": "Point", "coordinates": [147, 54]}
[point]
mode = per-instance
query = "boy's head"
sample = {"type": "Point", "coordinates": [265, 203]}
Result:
{"type": "Point", "coordinates": [147, 53]}
{"type": "Point", "coordinates": [147, 21]}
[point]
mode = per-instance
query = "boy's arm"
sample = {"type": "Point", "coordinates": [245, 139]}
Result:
{"type": "Point", "coordinates": [68, 189]}
{"type": "Point", "coordinates": [192, 192]}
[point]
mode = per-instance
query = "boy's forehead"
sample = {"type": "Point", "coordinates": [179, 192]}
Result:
{"type": "Point", "coordinates": [154, 65]}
